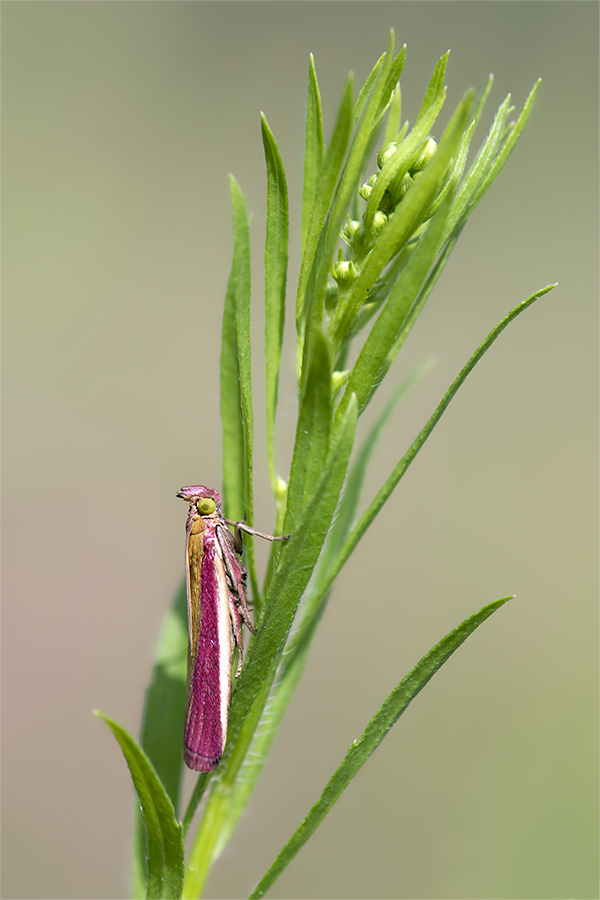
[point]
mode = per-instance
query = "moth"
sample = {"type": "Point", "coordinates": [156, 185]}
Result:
{"type": "Point", "coordinates": [216, 603]}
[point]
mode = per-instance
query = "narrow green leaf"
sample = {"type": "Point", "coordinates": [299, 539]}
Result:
{"type": "Point", "coordinates": [491, 158]}
{"type": "Point", "coordinates": [163, 722]}
{"type": "Point", "coordinates": [373, 355]}
{"type": "Point", "coordinates": [391, 86]}
{"type": "Point", "coordinates": [360, 146]}
{"type": "Point", "coordinates": [233, 449]}
{"type": "Point", "coordinates": [392, 126]}
{"type": "Point", "coordinates": [481, 166]}
{"type": "Point", "coordinates": [387, 489]}
{"type": "Point", "coordinates": [343, 194]}
{"type": "Point", "coordinates": [202, 782]}
{"type": "Point", "coordinates": [329, 175]}
{"type": "Point", "coordinates": [363, 94]}
{"type": "Point", "coordinates": [436, 86]}
{"type": "Point", "coordinates": [406, 219]}
{"type": "Point", "coordinates": [509, 145]}
{"type": "Point", "coordinates": [242, 508]}
{"type": "Point", "coordinates": [480, 106]}
{"type": "Point", "coordinates": [312, 435]}
{"type": "Point", "coordinates": [253, 688]}
{"type": "Point", "coordinates": [288, 677]}
{"type": "Point", "coordinates": [346, 512]}
{"type": "Point", "coordinates": [165, 840]}
{"type": "Point", "coordinates": [314, 148]}
{"type": "Point", "coordinates": [276, 258]}
{"type": "Point", "coordinates": [241, 270]}
{"type": "Point", "coordinates": [298, 558]}
{"type": "Point", "coordinates": [416, 308]}
{"type": "Point", "coordinates": [164, 708]}
{"type": "Point", "coordinates": [374, 733]}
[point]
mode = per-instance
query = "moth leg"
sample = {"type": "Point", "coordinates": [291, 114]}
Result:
{"type": "Point", "coordinates": [236, 575]}
{"type": "Point", "coordinates": [238, 540]}
{"type": "Point", "coordinates": [236, 626]}
{"type": "Point", "coordinates": [241, 526]}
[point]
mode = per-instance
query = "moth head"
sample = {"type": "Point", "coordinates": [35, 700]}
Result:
{"type": "Point", "coordinates": [203, 498]}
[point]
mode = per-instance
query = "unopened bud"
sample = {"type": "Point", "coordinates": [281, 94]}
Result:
{"type": "Point", "coordinates": [379, 222]}
{"type": "Point", "coordinates": [353, 232]}
{"type": "Point", "coordinates": [345, 272]}
{"type": "Point", "coordinates": [405, 185]}
{"type": "Point", "coordinates": [386, 153]}
{"type": "Point", "coordinates": [426, 154]}
{"type": "Point", "coordinates": [366, 188]}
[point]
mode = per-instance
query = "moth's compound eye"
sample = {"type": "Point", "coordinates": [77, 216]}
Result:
{"type": "Point", "coordinates": [206, 506]}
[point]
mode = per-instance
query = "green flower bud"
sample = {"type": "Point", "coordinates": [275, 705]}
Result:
{"type": "Point", "coordinates": [386, 153]}
{"type": "Point", "coordinates": [405, 185]}
{"type": "Point", "coordinates": [365, 189]}
{"type": "Point", "coordinates": [353, 232]}
{"type": "Point", "coordinates": [426, 154]}
{"type": "Point", "coordinates": [345, 272]}
{"type": "Point", "coordinates": [379, 222]}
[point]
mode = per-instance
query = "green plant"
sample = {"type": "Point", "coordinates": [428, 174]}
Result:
{"type": "Point", "coordinates": [373, 249]}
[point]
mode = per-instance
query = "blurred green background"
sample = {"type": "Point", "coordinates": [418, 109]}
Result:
{"type": "Point", "coordinates": [121, 122]}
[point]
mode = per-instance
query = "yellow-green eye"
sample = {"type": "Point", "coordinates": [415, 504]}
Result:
{"type": "Point", "coordinates": [206, 506]}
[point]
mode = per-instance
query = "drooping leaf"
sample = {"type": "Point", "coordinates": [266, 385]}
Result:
{"type": "Point", "coordinates": [165, 840]}
{"type": "Point", "coordinates": [163, 721]}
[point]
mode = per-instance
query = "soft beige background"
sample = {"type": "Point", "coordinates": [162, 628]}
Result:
{"type": "Point", "coordinates": [121, 124]}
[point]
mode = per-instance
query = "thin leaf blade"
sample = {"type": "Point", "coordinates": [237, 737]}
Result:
{"type": "Point", "coordinates": [331, 168]}
{"type": "Point", "coordinates": [374, 733]}
{"type": "Point", "coordinates": [276, 259]}
{"type": "Point", "coordinates": [241, 270]}
{"type": "Point", "coordinates": [314, 147]}
{"type": "Point", "coordinates": [233, 446]}
{"type": "Point", "coordinates": [165, 839]}
{"type": "Point", "coordinates": [312, 434]}
{"type": "Point", "coordinates": [163, 722]}
{"type": "Point", "coordinates": [399, 471]}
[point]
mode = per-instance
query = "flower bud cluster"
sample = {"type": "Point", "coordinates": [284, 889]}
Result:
{"type": "Point", "coordinates": [403, 181]}
{"type": "Point", "coordinates": [359, 241]}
